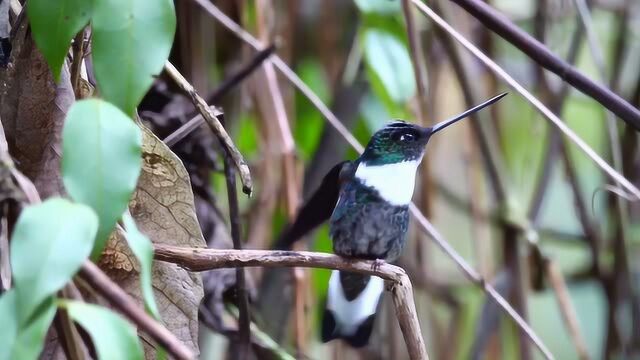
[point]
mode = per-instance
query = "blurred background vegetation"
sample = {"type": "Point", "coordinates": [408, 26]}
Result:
{"type": "Point", "coordinates": [556, 213]}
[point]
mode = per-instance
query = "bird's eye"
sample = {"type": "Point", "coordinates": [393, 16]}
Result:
{"type": "Point", "coordinates": [407, 137]}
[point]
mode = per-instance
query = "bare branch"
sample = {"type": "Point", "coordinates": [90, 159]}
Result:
{"type": "Point", "coordinates": [197, 259]}
{"type": "Point", "coordinates": [123, 302]}
{"type": "Point", "coordinates": [566, 307]}
{"type": "Point", "coordinates": [214, 124]}
{"type": "Point", "coordinates": [543, 56]}
{"type": "Point", "coordinates": [616, 176]}
{"type": "Point", "coordinates": [78, 57]}
{"type": "Point", "coordinates": [222, 89]}
{"type": "Point", "coordinates": [284, 68]}
{"type": "Point", "coordinates": [416, 60]}
{"type": "Point", "coordinates": [243, 299]}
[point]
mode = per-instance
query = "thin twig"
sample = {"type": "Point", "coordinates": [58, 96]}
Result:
{"type": "Point", "coordinates": [557, 100]}
{"type": "Point", "coordinates": [568, 312]}
{"type": "Point", "coordinates": [416, 60]}
{"type": "Point", "coordinates": [344, 132]}
{"type": "Point", "coordinates": [543, 56]}
{"type": "Point", "coordinates": [241, 291]}
{"type": "Point", "coordinates": [617, 177]}
{"type": "Point", "coordinates": [197, 259]}
{"type": "Point", "coordinates": [497, 179]}
{"type": "Point", "coordinates": [612, 126]}
{"type": "Point", "coordinates": [225, 86]}
{"type": "Point", "coordinates": [71, 341]}
{"type": "Point", "coordinates": [284, 68]}
{"type": "Point", "coordinates": [101, 283]}
{"type": "Point", "coordinates": [419, 72]}
{"type": "Point", "coordinates": [76, 65]}
{"type": "Point", "coordinates": [492, 159]}
{"type": "Point", "coordinates": [265, 340]}
{"type": "Point", "coordinates": [476, 278]}
{"type": "Point", "coordinates": [215, 125]}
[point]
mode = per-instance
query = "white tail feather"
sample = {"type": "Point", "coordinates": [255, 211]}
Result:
{"type": "Point", "coordinates": [350, 314]}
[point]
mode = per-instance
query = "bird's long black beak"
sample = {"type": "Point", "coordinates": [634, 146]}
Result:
{"type": "Point", "coordinates": [441, 125]}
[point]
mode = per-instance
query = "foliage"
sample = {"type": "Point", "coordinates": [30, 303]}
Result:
{"type": "Point", "coordinates": [113, 336]}
{"type": "Point", "coordinates": [101, 163]}
{"type": "Point", "coordinates": [131, 38]}
{"type": "Point", "coordinates": [54, 24]}
{"type": "Point", "coordinates": [49, 244]}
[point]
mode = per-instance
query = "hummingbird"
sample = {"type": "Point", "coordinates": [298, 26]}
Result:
{"type": "Point", "coordinates": [367, 203]}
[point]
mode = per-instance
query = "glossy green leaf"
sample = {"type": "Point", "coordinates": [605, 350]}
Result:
{"type": "Point", "coordinates": [131, 43]}
{"type": "Point", "coordinates": [388, 57]}
{"type": "Point", "coordinates": [54, 24]}
{"type": "Point", "coordinates": [49, 244]}
{"type": "Point", "coordinates": [25, 342]}
{"type": "Point", "coordinates": [143, 250]}
{"type": "Point", "coordinates": [101, 161]}
{"type": "Point", "coordinates": [9, 317]}
{"type": "Point", "coordinates": [112, 335]}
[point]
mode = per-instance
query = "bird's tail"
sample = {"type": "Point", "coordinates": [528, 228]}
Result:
{"type": "Point", "coordinates": [352, 301]}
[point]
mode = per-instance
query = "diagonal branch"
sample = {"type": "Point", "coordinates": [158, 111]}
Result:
{"type": "Point", "coordinates": [602, 164]}
{"type": "Point", "coordinates": [543, 56]}
{"type": "Point", "coordinates": [120, 300]}
{"type": "Point", "coordinates": [197, 259]}
{"type": "Point", "coordinates": [215, 125]}
{"type": "Point", "coordinates": [344, 132]}
{"type": "Point", "coordinates": [223, 88]}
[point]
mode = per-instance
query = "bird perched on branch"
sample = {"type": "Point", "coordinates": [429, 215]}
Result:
{"type": "Point", "coordinates": [367, 202]}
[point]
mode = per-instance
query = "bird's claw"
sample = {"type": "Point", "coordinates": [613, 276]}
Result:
{"type": "Point", "coordinates": [376, 264]}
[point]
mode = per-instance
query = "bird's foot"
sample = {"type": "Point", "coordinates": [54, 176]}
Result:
{"type": "Point", "coordinates": [377, 263]}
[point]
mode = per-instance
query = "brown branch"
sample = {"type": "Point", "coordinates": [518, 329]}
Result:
{"type": "Point", "coordinates": [241, 291]}
{"type": "Point", "coordinates": [492, 159]}
{"type": "Point", "coordinates": [416, 60]}
{"type": "Point", "coordinates": [197, 259]}
{"type": "Point", "coordinates": [225, 86]}
{"type": "Point", "coordinates": [76, 65]}
{"type": "Point", "coordinates": [497, 22]}
{"type": "Point", "coordinates": [102, 284]}
{"type": "Point", "coordinates": [215, 125]}
{"type": "Point", "coordinates": [237, 30]}
{"type": "Point", "coordinates": [566, 307]}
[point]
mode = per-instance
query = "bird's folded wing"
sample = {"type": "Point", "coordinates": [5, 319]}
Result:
{"type": "Point", "coordinates": [318, 208]}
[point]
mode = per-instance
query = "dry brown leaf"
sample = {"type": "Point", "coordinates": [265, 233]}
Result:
{"type": "Point", "coordinates": [32, 108]}
{"type": "Point", "coordinates": [163, 208]}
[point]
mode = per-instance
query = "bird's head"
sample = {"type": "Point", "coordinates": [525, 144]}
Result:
{"type": "Point", "coordinates": [400, 141]}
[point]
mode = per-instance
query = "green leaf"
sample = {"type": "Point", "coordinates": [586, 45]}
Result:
{"type": "Point", "coordinates": [113, 336]}
{"type": "Point", "coordinates": [388, 57]}
{"type": "Point", "coordinates": [10, 321]}
{"type": "Point", "coordinates": [30, 339]}
{"type": "Point", "coordinates": [54, 24]}
{"type": "Point", "coordinates": [131, 43]}
{"type": "Point", "coordinates": [143, 250]}
{"type": "Point", "coordinates": [27, 342]}
{"type": "Point", "coordinates": [49, 244]}
{"type": "Point", "coordinates": [101, 160]}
